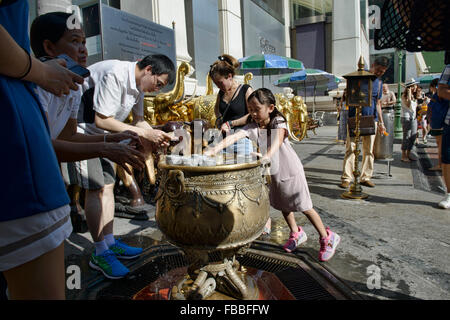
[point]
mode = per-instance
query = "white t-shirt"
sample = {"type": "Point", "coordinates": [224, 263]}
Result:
{"type": "Point", "coordinates": [115, 92]}
{"type": "Point", "coordinates": [59, 109]}
{"type": "Point", "coordinates": [409, 113]}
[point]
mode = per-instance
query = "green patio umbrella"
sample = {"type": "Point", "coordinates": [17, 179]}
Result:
{"type": "Point", "coordinates": [269, 64]}
{"type": "Point", "coordinates": [428, 78]}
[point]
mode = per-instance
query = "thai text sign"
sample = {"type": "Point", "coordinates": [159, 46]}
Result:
{"type": "Point", "coordinates": [128, 37]}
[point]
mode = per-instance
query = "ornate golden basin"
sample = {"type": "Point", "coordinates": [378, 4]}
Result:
{"type": "Point", "coordinates": [212, 208]}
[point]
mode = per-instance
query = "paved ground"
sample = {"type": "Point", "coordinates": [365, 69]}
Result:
{"type": "Point", "coordinates": [398, 229]}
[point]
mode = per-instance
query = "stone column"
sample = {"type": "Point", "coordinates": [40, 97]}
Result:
{"type": "Point", "coordinates": [165, 13]}
{"type": "Point", "coordinates": [140, 8]}
{"type": "Point", "coordinates": [230, 29]}
{"type": "Point", "coordinates": [346, 43]}
{"type": "Point", "coordinates": [45, 6]}
{"type": "Point", "coordinates": [287, 27]}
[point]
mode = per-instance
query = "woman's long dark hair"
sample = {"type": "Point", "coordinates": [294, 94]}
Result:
{"type": "Point", "coordinates": [266, 97]}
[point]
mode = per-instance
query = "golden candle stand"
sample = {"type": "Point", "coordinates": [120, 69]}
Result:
{"type": "Point", "coordinates": [358, 98]}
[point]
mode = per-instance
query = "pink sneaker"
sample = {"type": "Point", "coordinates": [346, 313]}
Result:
{"type": "Point", "coordinates": [328, 245]}
{"type": "Point", "coordinates": [295, 239]}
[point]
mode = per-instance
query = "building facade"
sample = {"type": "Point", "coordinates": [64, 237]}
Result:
{"type": "Point", "coordinates": [329, 35]}
{"type": "Point", "coordinates": [204, 29]}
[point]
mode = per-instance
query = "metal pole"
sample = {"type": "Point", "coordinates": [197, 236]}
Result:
{"type": "Point", "coordinates": [398, 132]}
{"type": "Point", "coordinates": [314, 102]}
{"type": "Point", "coordinates": [304, 86]}
{"type": "Point", "coordinates": [355, 190]}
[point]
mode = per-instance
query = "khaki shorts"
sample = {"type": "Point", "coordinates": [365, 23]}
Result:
{"type": "Point", "coordinates": [93, 174]}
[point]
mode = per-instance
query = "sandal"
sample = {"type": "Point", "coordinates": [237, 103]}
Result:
{"type": "Point", "coordinates": [120, 214]}
{"type": "Point", "coordinates": [122, 199]}
{"type": "Point", "coordinates": [146, 208]}
{"type": "Point", "coordinates": [122, 211]}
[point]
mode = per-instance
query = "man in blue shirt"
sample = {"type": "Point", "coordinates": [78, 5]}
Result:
{"type": "Point", "coordinates": [378, 68]}
{"type": "Point", "coordinates": [444, 93]}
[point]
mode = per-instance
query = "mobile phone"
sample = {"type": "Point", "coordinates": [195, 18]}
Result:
{"type": "Point", "coordinates": [126, 141]}
{"type": "Point", "coordinates": [74, 67]}
{"type": "Point", "coordinates": [81, 71]}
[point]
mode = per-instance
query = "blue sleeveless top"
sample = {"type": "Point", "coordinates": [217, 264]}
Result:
{"type": "Point", "coordinates": [31, 178]}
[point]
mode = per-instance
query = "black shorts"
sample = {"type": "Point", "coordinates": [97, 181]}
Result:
{"type": "Point", "coordinates": [436, 132]}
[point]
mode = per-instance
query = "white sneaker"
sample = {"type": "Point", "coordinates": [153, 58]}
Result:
{"type": "Point", "coordinates": [445, 204]}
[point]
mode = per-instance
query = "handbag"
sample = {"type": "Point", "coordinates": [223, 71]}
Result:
{"type": "Point", "coordinates": [366, 126]}
{"type": "Point", "coordinates": [366, 123]}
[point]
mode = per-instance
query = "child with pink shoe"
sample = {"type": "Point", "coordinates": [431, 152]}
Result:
{"type": "Point", "coordinates": [288, 190]}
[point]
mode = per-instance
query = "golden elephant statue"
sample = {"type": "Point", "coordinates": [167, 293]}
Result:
{"type": "Point", "coordinates": [168, 106]}
{"type": "Point", "coordinates": [295, 112]}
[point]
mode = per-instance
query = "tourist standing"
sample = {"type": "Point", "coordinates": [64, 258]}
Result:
{"type": "Point", "coordinates": [388, 98]}
{"type": "Point", "coordinates": [409, 120]}
{"type": "Point", "coordinates": [436, 129]}
{"type": "Point", "coordinates": [34, 220]}
{"type": "Point", "coordinates": [378, 68]}
{"type": "Point", "coordinates": [444, 93]}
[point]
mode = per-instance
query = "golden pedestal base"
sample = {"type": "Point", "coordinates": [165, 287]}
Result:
{"type": "Point", "coordinates": [355, 192]}
{"type": "Point", "coordinates": [354, 196]}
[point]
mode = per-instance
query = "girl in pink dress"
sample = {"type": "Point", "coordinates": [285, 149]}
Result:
{"type": "Point", "coordinates": [288, 190]}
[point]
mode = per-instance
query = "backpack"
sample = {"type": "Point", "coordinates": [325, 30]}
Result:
{"type": "Point", "coordinates": [439, 108]}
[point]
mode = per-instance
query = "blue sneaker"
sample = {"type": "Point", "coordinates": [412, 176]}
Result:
{"type": "Point", "coordinates": [108, 264]}
{"type": "Point", "coordinates": [122, 251]}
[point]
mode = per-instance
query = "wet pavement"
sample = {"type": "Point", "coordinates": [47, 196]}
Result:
{"type": "Point", "coordinates": [394, 244]}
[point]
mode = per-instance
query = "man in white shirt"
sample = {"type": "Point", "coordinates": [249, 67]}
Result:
{"type": "Point", "coordinates": [113, 89]}
{"type": "Point", "coordinates": [59, 109]}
